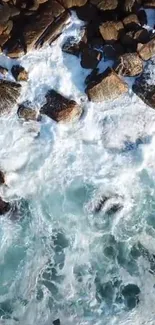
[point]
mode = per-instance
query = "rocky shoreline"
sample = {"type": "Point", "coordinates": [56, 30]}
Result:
{"type": "Point", "coordinates": [113, 29]}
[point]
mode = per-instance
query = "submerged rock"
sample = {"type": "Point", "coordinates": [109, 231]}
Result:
{"type": "Point", "coordinates": [131, 295]}
{"type": "Point", "coordinates": [9, 93]}
{"type": "Point", "coordinates": [60, 108]}
{"type": "Point", "coordinates": [107, 85]}
{"type": "Point", "coordinates": [19, 73]}
{"type": "Point", "coordinates": [28, 113]}
{"type": "Point", "coordinates": [4, 207]}
{"type": "Point", "coordinates": [129, 65]}
{"type": "Point", "coordinates": [56, 322]}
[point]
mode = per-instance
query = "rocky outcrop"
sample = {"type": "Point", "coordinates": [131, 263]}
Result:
{"type": "Point", "coordinates": [9, 93]}
{"type": "Point", "coordinates": [147, 51]}
{"type": "Point", "coordinates": [27, 113]}
{"type": "Point", "coordinates": [144, 87]}
{"type": "Point", "coordinates": [129, 65]}
{"type": "Point", "coordinates": [19, 73]}
{"type": "Point", "coordinates": [106, 86]}
{"type": "Point", "coordinates": [4, 207]}
{"type": "Point", "coordinates": [59, 108]}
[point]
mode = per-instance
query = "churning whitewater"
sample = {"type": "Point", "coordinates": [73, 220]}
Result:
{"type": "Point", "coordinates": [59, 258]}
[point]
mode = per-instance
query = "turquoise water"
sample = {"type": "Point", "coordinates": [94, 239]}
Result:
{"type": "Point", "coordinates": [59, 258]}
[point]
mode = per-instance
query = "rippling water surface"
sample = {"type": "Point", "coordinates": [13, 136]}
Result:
{"type": "Point", "coordinates": [61, 259]}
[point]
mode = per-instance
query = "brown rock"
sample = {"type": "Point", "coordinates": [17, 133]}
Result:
{"type": "Point", "coordinates": [9, 93]}
{"type": "Point", "coordinates": [4, 207]}
{"type": "Point", "coordinates": [144, 87]}
{"type": "Point", "coordinates": [129, 65]}
{"type": "Point", "coordinates": [2, 178]}
{"type": "Point", "coordinates": [34, 6]}
{"type": "Point", "coordinates": [73, 3]}
{"type": "Point", "coordinates": [27, 113]}
{"type": "Point", "coordinates": [19, 73]}
{"type": "Point", "coordinates": [105, 4]}
{"type": "Point", "coordinates": [4, 13]}
{"type": "Point", "coordinates": [131, 22]}
{"type": "Point", "coordinates": [90, 58]}
{"type": "Point", "coordinates": [111, 30]}
{"type": "Point", "coordinates": [60, 108]}
{"type": "Point", "coordinates": [107, 85]}
{"type": "Point", "coordinates": [33, 31]}
{"type": "Point", "coordinates": [3, 71]}
{"type": "Point", "coordinates": [150, 4]}
{"type": "Point", "coordinates": [131, 5]}
{"type": "Point", "coordinates": [147, 51]}
{"type": "Point", "coordinates": [16, 51]}
{"type": "Point", "coordinates": [8, 28]}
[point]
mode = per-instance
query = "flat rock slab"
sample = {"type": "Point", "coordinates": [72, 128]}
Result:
{"type": "Point", "coordinates": [9, 93]}
{"type": "Point", "coordinates": [60, 108]}
{"type": "Point", "coordinates": [106, 86]}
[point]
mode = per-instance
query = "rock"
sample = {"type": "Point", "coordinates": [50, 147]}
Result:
{"type": "Point", "coordinates": [4, 13]}
{"type": "Point", "coordinates": [144, 87]}
{"type": "Point", "coordinates": [4, 207]}
{"type": "Point", "coordinates": [129, 65]}
{"type": "Point", "coordinates": [131, 294]}
{"type": "Point", "coordinates": [131, 5]}
{"type": "Point", "coordinates": [73, 3]}
{"type": "Point", "coordinates": [2, 178]}
{"type": "Point", "coordinates": [91, 76]}
{"type": "Point", "coordinates": [33, 31]}
{"type": "Point", "coordinates": [128, 41]}
{"type": "Point", "coordinates": [90, 58]}
{"type": "Point", "coordinates": [147, 51]}
{"type": "Point", "coordinates": [88, 12]}
{"type": "Point", "coordinates": [113, 51]}
{"type": "Point", "coordinates": [8, 28]}
{"type": "Point", "coordinates": [27, 113]}
{"type": "Point", "coordinates": [3, 71]}
{"type": "Point", "coordinates": [105, 4]}
{"type": "Point", "coordinates": [149, 4]}
{"type": "Point", "coordinates": [111, 31]}
{"type": "Point", "coordinates": [19, 73]}
{"type": "Point", "coordinates": [60, 108]}
{"type": "Point", "coordinates": [56, 322]}
{"type": "Point", "coordinates": [71, 46]}
{"type": "Point", "coordinates": [142, 36]}
{"type": "Point", "coordinates": [107, 85]}
{"type": "Point", "coordinates": [141, 14]}
{"type": "Point", "coordinates": [9, 93]}
{"type": "Point", "coordinates": [131, 22]}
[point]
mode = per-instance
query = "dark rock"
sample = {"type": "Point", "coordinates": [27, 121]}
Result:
{"type": "Point", "coordinates": [3, 71]}
{"type": "Point", "coordinates": [114, 208]}
{"type": "Point", "coordinates": [71, 46]}
{"type": "Point", "coordinates": [56, 322]}
{"type": "Point", "coordinates": [27, 113]}
{"type": "Point", "coordinates": [91, 76]}
{"type": "Point", "coordinates": [142, 36]}
{"type": "Point", "coordinates": [19, 73]}
{"type": "Point", "coordinates": [107, 86]}
{"type": "Point", "coordinates": [4, 207]}
{"type": "Point", "coordinates": [60, 108]}
{"type": "Point", "coordinates": [150, 4]}
{"type": "Point", "coordinates": [9, 93]}
{"type": "Point", "coordinates": [131, 22]}
{"type": "Point", "coordinates": [131, 294]}
{"type": "Point", "coordinates": [105, 4]}
{"type": "Point", "coordinates": [2, 178]}
{"type": "Point", "coordinates": [147, 51]}
{"type": "Point", "coordinates": [88, 12]}
{"type": "Point", "coordinates": [144, 88]}
{"type": "Point", "coordinates": [111, 31]}
{"type": "Point", "coordinates": [113, 51]}
{"type": "Point", "coordinates": [141, 14]}
{"type": "Point", "coordinates": [129, 65]}
{"type": "Point", "coordinates": [90, 58]}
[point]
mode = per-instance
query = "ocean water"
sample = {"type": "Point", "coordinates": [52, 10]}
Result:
{"type": "Point", "coordinates": [59, 258]}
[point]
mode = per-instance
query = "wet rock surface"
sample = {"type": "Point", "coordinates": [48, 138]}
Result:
{"type": "Point", "coordinates": [19, 73]}
{"type": "Point", "coordinates": [9, 93]}
{"type": "Point", "coordinates": [26, 112]}
{"type": "Point", "coordinates": [4, 207]}
{"type": "Point", "coordinates": [129, 65]}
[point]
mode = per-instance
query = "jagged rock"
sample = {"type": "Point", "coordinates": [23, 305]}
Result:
{"type": "Point", "coordinates": [3, 71]}
{"type": "Point", "coordinates": [144, 87]}
{"type": "Point", "coordinates": [131, 22]}
{"type": "Point", "coordinates": [131, 5]}
{"type": "Point", "coordinates": [107, 86]}
{"type": "Point", "coordinates": [2, 178]}
{"type": "Point", "coordinates": [113, 51]}
{"type": "Point", "coordinates": [105, 4]}
{"type": "Point", "coordinates": [90, 58]}
{"type": "Point", "coordinates": [150, 4]}
{"type": "Point", "coordinates": [71, 46]}
{"type": "Point", "coordinates": [73, 3]}
{"type": "Point", "coordinates": [9, 93]}
{"type": "Point", "coordinates": [34, 30]}
{"type": "Point", "coordinates": [111, 31]}
{"type": "Point", "coordinates": [4, 207]}
{"type": "Point", "coordinates": [129, 65]}
{"type": "Point", "coordinates": [147, 51]}
{"type": "Point", "coordinates": [60, 108]}
{"type": "Point", "coordinates": [28, 113]}
{"type": "Point", "coordinates": [19, 73]}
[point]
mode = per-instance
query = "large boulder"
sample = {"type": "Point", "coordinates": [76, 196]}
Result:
{"type": "Point", "coordinates": [60, 108]}
{"type": "Point", "coordinates": [4, 207]}
{"type": "Point", "coordinates": [107, 85]}
{"type": "Point", "coordinates": [9, 93]}
{"type": "Point", "coordinates": [144, 87]}
{"type": "Point", "coordinates": [129, 65]}
{"type": "Point", "coordinates": [111, 30]}
{"type": "Point", "coordinates": [147, 51]}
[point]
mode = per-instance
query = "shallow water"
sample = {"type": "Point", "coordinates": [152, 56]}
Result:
{"type": "Point", "coordinates": [61, 259]}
